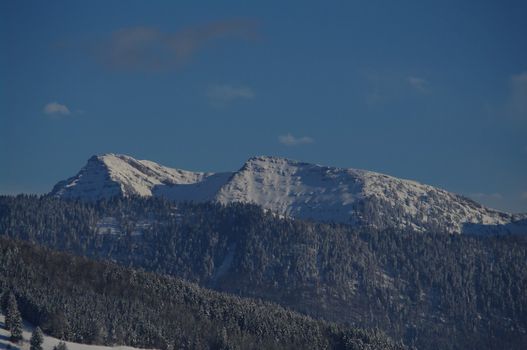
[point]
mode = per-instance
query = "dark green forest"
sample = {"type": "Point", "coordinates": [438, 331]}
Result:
{"type": "Point", "coordinates": [430, 290]}
{"type": "Point", "coordinates": [78, 299]}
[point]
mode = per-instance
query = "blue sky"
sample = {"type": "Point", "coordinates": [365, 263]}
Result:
{"type": "Point", "coordinates": [431, 91]}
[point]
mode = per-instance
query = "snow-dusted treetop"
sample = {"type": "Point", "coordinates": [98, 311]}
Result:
{"type": "Point", "coordinates": [294, 189]}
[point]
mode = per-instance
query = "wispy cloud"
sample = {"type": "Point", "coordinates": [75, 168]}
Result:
{"type": "Point", "coordinates": [524, 195]}
{"type": "Point", "coordinates": [418, 84]}
{"type": "Point", "coordinates": [148, 48]}
{"type": "Point", "coordinates": [56, 109]}
{"type": "Point", "coordinates": [223, 94]}
{"type": "Point", "coordinates": [290, 140]}
{"type": "Point", "coordinates": [387, 87]}
{"type": "Point", "coordinates": [517, 104]}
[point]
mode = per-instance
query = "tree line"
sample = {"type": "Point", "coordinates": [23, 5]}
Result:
{"type": "Point", "coordinates": [82, 300]}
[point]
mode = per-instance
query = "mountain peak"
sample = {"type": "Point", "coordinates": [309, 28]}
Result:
{"type": "Point", "coordinates": [113, 174]}
{"type": "Point", "coordinates": [274, 159]}
{"type": "Point", "coordinates": [291, 188]}
{"type": "Point", "coordinates": [263, 159]}
{"type": "Point", "coordinates": [108, 158]}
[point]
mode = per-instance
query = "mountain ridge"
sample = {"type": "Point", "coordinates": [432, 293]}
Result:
{"type": "Point", "coordinates": [295, 189]}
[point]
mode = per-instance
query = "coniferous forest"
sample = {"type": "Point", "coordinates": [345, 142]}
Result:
{"type": "Point", "coordinates": [85, 301]}
{"type": "Point", "coordinates": [428, 290]}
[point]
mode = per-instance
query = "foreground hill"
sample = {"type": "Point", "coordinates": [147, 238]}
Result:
{"type": "Point", "coordinates": [295, 189]}
{"type": "Point", "coordinates": [101, 303]}
{"type": "Point", "coordinates": [432, 291]}
{"type": "Point", "coordinates": [49, 342]}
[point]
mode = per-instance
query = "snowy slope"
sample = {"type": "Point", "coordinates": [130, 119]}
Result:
{"type": "Point", "coordinates": [49, 342]}
{"type": "Point", "coordinates": [298, 190]}
{"type": "Point", "coordinates": [112, 174]}
{"type": "Point", "coordinates": [294, 189]}
{"type": "Point", "coordinates": [357, 197]}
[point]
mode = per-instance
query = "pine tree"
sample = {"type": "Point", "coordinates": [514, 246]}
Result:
{"type": "Point", "coordinates": [13, 319]}
{"type": "Point", "coordinates": [9, 307]}
{"type": "Point", "coordinates": [16, 329]}
{"type": "Point", "coordinates": [8, 299]}
{"type": "Point", "coordinates": [37, 338]}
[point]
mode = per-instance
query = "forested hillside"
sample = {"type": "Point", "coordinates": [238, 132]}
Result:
{"type": "Point", "coordinates": [430, 290]}
{"type": "Point", "coordinates": [81, 300]}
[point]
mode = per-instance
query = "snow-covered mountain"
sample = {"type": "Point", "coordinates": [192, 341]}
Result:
{"type": "Point", "coordinates": [114, 174]}
{"type": "Point", "coordinates": [298, 190]}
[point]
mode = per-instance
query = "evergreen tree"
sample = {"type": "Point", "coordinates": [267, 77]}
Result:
{"type": "Point", "coordinates": [37, 338]}
{"type": "Point", "coordinates": [8, 303]}
{"type": "Point", "coordinates": [13, 319]}
{"type": "Point", "coordinates": [11, 310]}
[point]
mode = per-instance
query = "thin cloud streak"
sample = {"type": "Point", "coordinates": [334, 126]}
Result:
{"type": "Point", "coordinates": [148, 48]}
{"type": "Point", "coordinates": [382, 88]}
{"type": "Point", "coordinates": [418, 84]}
{"type": "Point", "coordinates": [56, 109]}
{"type": "Point", "coordinates": [228, 93]}
{"type": "Point", "coordinates": [290, 140]}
